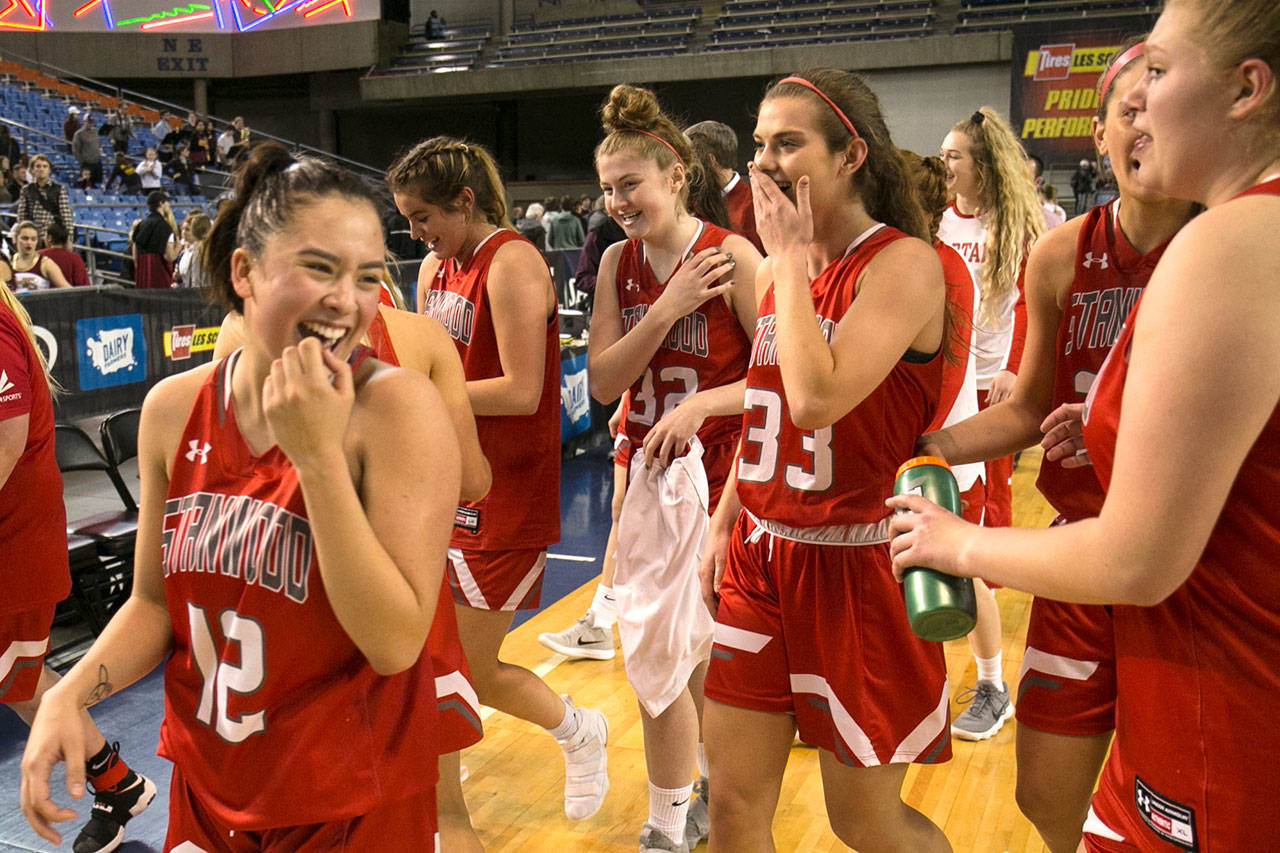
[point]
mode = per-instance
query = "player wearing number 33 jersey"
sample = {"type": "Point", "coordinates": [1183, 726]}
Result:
{"type": "Point", "coordinates": [811, 620]}
{"type": "Point", "coordinates": [273, 717]}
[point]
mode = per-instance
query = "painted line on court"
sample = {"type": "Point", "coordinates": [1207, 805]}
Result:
{"type": "Point", "coordinates": [573, 558]}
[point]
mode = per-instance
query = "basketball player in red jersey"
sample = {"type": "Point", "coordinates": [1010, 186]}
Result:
{"type": "Point", "coordinates": [491, 290]}
{"type": "Point", "coordinates": [1082, 279]}
{"type": "Point", "coordinates": [671, 322]}
{"type": "Point", "coordinates": [845, 372]}
{"type": "Point", "coordinates": [275, 561]}
{"type": "Point", "coordinates": [1195, 676]}
{"type": "Point", "coordinates": [35, 526]}
{"type": "Point", "coordinates": [995, 217]}
{"type": "Point", "coordinates": [415, 340]}
{"type": "Point", "coordinates": [721, 143]}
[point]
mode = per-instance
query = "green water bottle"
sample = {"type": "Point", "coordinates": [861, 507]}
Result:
{"type": "Point", "coordinates": [939, 606]}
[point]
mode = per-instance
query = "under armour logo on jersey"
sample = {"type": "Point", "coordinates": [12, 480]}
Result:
{"type": "Point", "coordinates": [631, 285]}
{"type": "Point", "coordinates": [1090, 260]}
{"type": "Point", "coordinates": [5, 384]}
{"type": "Point", "coordinates": [196, 450]}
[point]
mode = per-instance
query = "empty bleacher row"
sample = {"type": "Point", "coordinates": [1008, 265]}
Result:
{"type": "Point", "coordinates": [738, 25]}
{"type": "Point", "coordinates": [748, 24]}
{"type": "Point", "coordinates": [977, 16]}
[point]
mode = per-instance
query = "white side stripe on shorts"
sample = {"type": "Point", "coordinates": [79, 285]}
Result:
{"type": "Point", "coordinates": [22, 649]}
{"type": "Point", "coordinates": [738, 638]}
{"type": "Point", "coordinates": [914, 744]}
{"type": "Point", "coordinates": [527, 583]}
{"type": "Point", "coordinates": [852, 734]}
{"type": "Point", "coordinates": [1050, 664]}
{"type": "Point", "coordinates": [456, 683]}
{"type": "Point", "coordinates": [466, 581]}
{"type": "Point", "coordinates": [1093, 825]}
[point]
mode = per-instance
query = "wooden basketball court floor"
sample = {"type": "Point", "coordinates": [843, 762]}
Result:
{"type": "Point", "coordinates": [515, 775]}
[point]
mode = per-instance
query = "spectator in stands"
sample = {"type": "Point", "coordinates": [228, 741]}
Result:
{"type": "Point", "coordinates": [150, 170]}
{"type": "Point", "coordinates": [435, 25]}
{"type": "Point", "coordinates": [121, 131]}
{"type": "Point", "coordinates": [582, 210]}
{"type": "Point", "coordinates": [190, 270]}
{"type": "Point", "coordinates": [201, 144]}
{"type": "Point", "coordinates": [72, 123]}
{"type": "Point", "coordinates": [9, 146]}
{"type": "Point", "coordinates": [225, 140]}
{"type": "Point", "coordinates": [721, 145]}
{"type": "Point", "coordinates": [86, 147]}
{"type": "Point", "coordinates": [57, 248]}
{"type": "Point", "coordinates": [188, 129]}
{"type": "Point", "coordinates": [1082, 183]}
{"type": "Point", "coordinates": [601, 236]}
{"type": "Point", "coordinates": [550, 207]}
{"type": "Point", "coordinates": [130, 180]}
{"type": "Point", "coordinates": [182, 170]}
{"type": "Point", "coordinates": [44, 200]}
{"type": "Point", "coordinates": [16, 179]}
{"type": "Point", "coordinates": [5, 198]}
{"type": "Point", "coordinates": [565, 231]}
{"type": "Point", "coordinates": [161, 128]}
{"type": "Point", "coordinates": [598, 215]}
{"type": "Point", "coordinates": [530, 226]}
{"type": "Point", "coordinates": [1054, 215]}
{"type": "Point", "coordinates": [31, 271]}
{"type": "Point", "coordinates": [239, 142]}
{"type": "Point", "coordinates": [155, 244]}
{"type": "Point", "coordinates": [85, 181]}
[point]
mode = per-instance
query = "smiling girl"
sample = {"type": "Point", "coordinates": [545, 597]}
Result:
{"type": "Point", "coordinates": [674, 308]}
{"type": "Point", "coordinates": [32, 270]}
{"type": "Point", "coordinates": [1186, 556]}
{"type": "Point", "coordinates": [491, 290]}
{"type": "Point", "coordinates": [277, 566]}
{"type": "Point", "coordinates": [844, 375]}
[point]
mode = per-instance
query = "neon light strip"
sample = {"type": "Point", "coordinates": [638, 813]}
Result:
{"type": "Point", "coordinates": [40, 26]}
{"type": "Point", "coordinates": [244, 26]}
{"type": "Point", "coordinates": [319, 9]}
{"type": "Point", "coordinates": [27, 6]}
{"type": "Point", "coordinates": [155, 25]}
{"type": "Point", "coordinates": [86, 7]}
{"type": "Point", "coordinates": [217, 10]}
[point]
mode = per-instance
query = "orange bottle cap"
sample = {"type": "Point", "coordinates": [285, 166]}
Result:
{"type": "Point", "coordinates": [922, 460]}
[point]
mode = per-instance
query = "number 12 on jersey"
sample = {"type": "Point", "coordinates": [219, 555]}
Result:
{"type": "Point", "coordinates": [220, 678]}
{"type": "Point", "coordinates": [815, 475]}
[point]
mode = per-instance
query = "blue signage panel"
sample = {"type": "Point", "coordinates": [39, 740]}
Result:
{"type": "Point", "coordinates": [110, 351]}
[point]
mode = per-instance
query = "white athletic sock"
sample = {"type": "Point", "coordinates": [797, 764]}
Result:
{"type": "Point", "coordinates": [989, 669]}
{"type": "Point", "coordinates": [569, 725]}
{"type": "Point", "coordinates": [604, 607]}
{"type": "Point", "coordinates": [704, 769]}
{"type": "Point", "coordinates": [669, 808]}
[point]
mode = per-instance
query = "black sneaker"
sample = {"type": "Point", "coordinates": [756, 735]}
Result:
{"type": "Point", "coordinates": [111, 811]}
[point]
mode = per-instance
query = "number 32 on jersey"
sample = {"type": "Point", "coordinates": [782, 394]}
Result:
{"type": "Point", "coordinates": [813, 474]}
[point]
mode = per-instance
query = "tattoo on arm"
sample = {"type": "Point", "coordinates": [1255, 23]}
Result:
{"type": "Point", "coordinates": [101, 690]}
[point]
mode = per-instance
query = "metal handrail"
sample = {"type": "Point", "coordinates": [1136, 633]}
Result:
{"type": "Point", "coordinates": [143, 99]}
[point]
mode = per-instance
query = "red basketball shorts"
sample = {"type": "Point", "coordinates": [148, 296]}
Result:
{"type": "Point", "coordinates": [821, 632]}
{"type": "Point", "coordinates": [999, 474]}
{"type": "Point", "coordinates": [497, 580]}
{"type": "Point", "coordinates": [24, 641]}
{"type": "Point", "coordinates": [407, 824]}
{"type": "Point", "coordinates": [1068, 681]}
{"type": "Point", "coordinates": [459, 707]}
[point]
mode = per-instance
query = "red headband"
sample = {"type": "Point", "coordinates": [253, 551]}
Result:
{"type": "Point", "coordinates": [679, 159]}
{"type": "Point", "coordinates": [844, 119]}
{"type": "Point", "coordinates": [1116, 67]}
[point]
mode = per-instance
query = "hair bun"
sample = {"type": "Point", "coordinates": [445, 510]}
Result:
{"type": "Point", "coordinates": [630, 108]}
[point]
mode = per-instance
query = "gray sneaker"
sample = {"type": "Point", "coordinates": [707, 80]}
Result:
{"type": "Point", "coordinates": [989, 707]}
{"type": "Point", "coordinates": [697, 824]}
{"type": "Point", "coordinates": [654, 840]}
{"type": "Point", "coordinates": [583, 639]}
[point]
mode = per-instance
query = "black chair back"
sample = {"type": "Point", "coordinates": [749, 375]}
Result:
{"type": "Point", "coordinates": [75, 451]}
{"type": "Point", "coordinates": [119, 434]}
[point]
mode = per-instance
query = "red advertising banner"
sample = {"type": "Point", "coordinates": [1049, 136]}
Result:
{"type": "Point", "coordinates": [1055, 76]}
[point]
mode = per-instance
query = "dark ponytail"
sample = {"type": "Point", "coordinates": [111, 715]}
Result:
{"type": "Point", "coordinates": [271, 186]}
{"type": "Point", "coordinates": [882, 182]}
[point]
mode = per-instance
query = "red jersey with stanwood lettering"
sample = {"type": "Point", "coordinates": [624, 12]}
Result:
{"type": "Point", "coordinates": [1110, 275]}
{"type": "Point", "coordinates": [706, 348]}
{"type": "Point", "coordinates": [522, 509]}
{"type": "Point", "coordinates": [742, 210]}
{"type": "Point", "coordinates": [272, 714]}
{"type": "Point", "coordinates": [1199, 689]}
{"type": "Point", "coordinates": [843, 473]}
{"type": "Point", "coordinates": [33, 520]}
